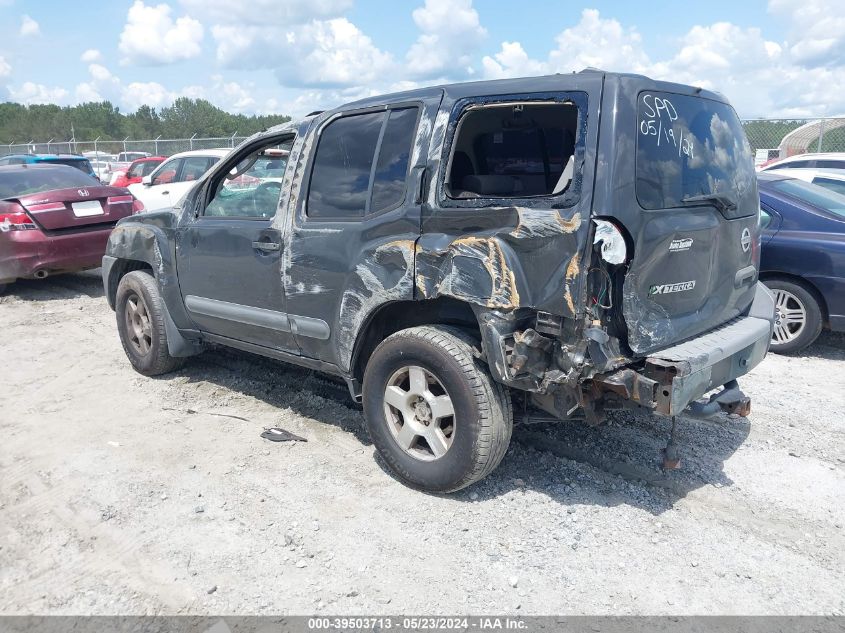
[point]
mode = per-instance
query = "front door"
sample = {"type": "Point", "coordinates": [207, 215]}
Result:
{"type": "Point", "coordinates": [229, 256]}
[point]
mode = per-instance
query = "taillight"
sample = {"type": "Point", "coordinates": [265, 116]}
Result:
{"type": "Point", "coordinates": [119, 200]}
{"type": "Point", "coordinates": [18, 221]}
{"type": "Point", "coordinates": [137, 206]}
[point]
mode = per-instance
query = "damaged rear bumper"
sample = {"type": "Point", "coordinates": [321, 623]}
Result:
{"type": "Point", "coordinates": [672, 378]}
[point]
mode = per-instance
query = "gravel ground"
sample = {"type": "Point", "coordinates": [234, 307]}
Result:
{"type": "Point", "coordinates": [121, 494]}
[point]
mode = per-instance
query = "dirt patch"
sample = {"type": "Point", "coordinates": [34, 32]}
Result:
{"type": "Point", "coordinates": [121, 494]}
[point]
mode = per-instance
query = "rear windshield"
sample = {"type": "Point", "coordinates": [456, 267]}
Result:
{"type": "Point", "coordinates": [826, 199]}
{"type": "Point", "coordinates": [689, 146]}
{"type": "Point", "coordinates": [25, 180]}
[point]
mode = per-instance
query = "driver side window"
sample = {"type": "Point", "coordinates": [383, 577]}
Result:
{"type": "Point", "coordinates": [251, 188]}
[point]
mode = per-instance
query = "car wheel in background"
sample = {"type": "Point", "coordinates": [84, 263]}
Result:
{"type": "Point", "coordinates": [433, 410]}
{"type": "Point", "coordinates": [798, 316]}
{"type": "Point", "coordinates": [140, 322]}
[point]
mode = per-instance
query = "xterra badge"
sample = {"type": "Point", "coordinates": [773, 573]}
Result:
{"type": "Point", "coordinates": [676, 246]}
{"type": "Point", "coordinates": [665, 289]}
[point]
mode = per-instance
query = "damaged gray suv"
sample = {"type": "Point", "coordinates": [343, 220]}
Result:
{"type": "Point", "coordinates": [574, 243]}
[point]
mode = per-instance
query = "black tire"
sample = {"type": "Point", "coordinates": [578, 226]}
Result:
{"type": "Point", "coordinates": [483, 415]}
{"type": "Point", "coordinates": [812, 326]}
{"type": "Point", "coordinates": [3, 288]}
{"type": "Point", "coordinates": [140, 287]}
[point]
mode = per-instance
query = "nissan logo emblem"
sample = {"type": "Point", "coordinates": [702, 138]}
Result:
{"type": "Point", "coordinates": [745, 240]}
{"type": "Point", "coordinates": [83, 193]}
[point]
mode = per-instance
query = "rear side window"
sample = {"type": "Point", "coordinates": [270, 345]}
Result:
{"type": "Point", "coordinates": [393, 157]}
{"type": "Point", "coordinates": [689, 146]}
{"type": "Point", "coordinates": [830, 164]}
{"type": "Point", "coordinates": [830, 183]}
{"type": "Point", "coordinates": [514, 150]}
{"type": "Point", "coordinates": [194, 167]}
{"type": "Point", "coordinates": [361, 164]}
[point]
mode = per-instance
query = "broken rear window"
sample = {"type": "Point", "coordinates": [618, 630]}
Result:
{"type": "Point", "coordinates": [689, 146]}
{"type": "Point", "coordinates": [516, 149]}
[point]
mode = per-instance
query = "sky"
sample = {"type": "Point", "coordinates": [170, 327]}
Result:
{"type": "Point", "coordinates": [772, 58]}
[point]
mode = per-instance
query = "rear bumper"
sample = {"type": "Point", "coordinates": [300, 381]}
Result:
{"type": "Point", "coordinates": [23, 253]}
{"type": "Point", "coordinates": [673, 377]}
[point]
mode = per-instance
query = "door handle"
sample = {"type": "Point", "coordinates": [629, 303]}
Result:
{"type": "Point", "coordinates": [266, 246]}
{"type": "Point", "coordinates": [164, 193]}
{"type": "Point", "coordinates": [744, 276]}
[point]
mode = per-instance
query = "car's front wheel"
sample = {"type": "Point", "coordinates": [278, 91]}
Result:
{"type": "Point", "coordinates": [798, 316]}
{"type": "Point", "coordinates": [433, 410]}
{"type": "Point", "coordinates": [140, 322]}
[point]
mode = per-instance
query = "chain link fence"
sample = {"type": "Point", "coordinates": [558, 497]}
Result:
{"type": "Point", "coordinates": [779, 138]}
{"type": "Point", "coordinates": [769, 138]}
{"type": "Point", "coordinates": [155, 147]}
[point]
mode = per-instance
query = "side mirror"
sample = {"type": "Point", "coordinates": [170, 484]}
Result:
{"type": "Point", "coordinates": [147, 180]}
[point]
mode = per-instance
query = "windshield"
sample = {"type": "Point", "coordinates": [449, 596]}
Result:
{"type": "Point", "coordinates": [825, 199]}
{"type": "Point", "coordinates": [25, 181]}
{"type": "Point", "coordinates": [690, 146]}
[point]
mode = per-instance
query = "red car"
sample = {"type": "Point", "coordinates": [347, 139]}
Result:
{"type": "Point", "coordinates": [136, 171]}
{"type": "Point", "coordinates": [55, 218]}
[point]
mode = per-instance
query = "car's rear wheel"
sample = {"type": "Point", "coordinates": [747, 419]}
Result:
{"type": "Point", "coordinates": [433, 410]}
{"type": "Point", "coordinates": [798, 316]}
{"type": "Point", "coordinates": [3, 288]}
{"type": "Point", "coordinates": [140, 322]}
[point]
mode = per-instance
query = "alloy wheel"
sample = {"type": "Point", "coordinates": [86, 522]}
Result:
{"type": "Point", "coordinates": [419, 413]}
{"type": "Point", "coordinates": [790, 317]}
{"type": "Point", "coordinates": [138, 326]}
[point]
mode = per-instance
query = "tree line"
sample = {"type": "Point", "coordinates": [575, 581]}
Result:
{"type": "Point", "coordinates": [88, 121]}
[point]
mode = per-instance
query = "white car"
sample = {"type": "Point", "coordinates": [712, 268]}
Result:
{"type": "Point", "coordinates": [833, 179]}
{"type": "Point", "coordinates": [102, 169]}
{"type": "Point", "coordinates": [174, 178]}
{"type": "Point", "coordinates": [825, 160]}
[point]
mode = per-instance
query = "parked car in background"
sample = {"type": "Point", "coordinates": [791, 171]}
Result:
{"type": "Point", "coordinates": [137, 170]}
{"type": "Point", "coordinates": [54, 218]}
{"type": "Point", "coordinates": [174, 178]}
{"type": "Point", "coordinates": [102, 170]}
{"type": "Point", "coordinates": [833, 179]}
{"type": "Point", "coordinates": [121, 163]}
{"type": "Point", "coordinates": [72, 160]}
{"type": "Point", "coordinates": [803, 258]}
{"type": "Point", "coordinates": [825, 160]}
{"type": "Point", "coordinates": [98, 155]}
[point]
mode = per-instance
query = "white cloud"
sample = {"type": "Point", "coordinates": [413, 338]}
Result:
{"type": "Point", "coordinates": [511, 61]}
{"type": "Point", "coordinates": [267, 12]}
{"type": "Point", "coordinates": [91, 55]}
{"type": "Point", "coordinates": [149, 93]}
{"type": "Point", "coordinates": [593, 42]}
{"type": "Point", "coordinates": [334, 53]}
{"type": "Point", "coordinates": [155, 95]}
{"type": "Point", "coordinates": [328, 53]}
{"type": "Point", "coordinates": [450, 33]}
{"type": "Point", "coordinates": [600, 43]}
{"type": "Point", "coordinates": [29, 27]}
{"type": "Point", "coordinates": [152, 36]}
{"type": "Point", "coordinates": [5, 68]}
{"type": "Point", "coordinates": [102, 85]}
{"type": "Point", "coordinates": [31, 92]}
{"type": "Point", "coordinates": [816, 30]}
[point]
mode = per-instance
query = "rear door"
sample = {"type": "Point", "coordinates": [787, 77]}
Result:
{"type": "Point", "coordinates": [684, 189]}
